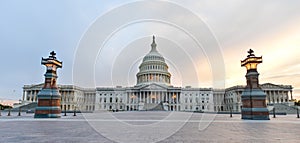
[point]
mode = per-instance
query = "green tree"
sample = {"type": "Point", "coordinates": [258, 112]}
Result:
{"type": "Point", "coordinates": [3, 107]}
{"type": "Point", "coordinates": [297, 103]}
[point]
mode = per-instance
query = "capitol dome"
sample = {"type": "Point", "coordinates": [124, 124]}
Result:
{"type": "Point", "coordinates": [153, 68]}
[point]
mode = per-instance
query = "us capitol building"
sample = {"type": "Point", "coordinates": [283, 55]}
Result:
{"type": "Point", "coordinates": [154, 91]}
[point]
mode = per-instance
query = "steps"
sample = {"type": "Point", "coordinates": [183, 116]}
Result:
{"type": "Point", "coordinates": [25, 107]}
{"type": "Point", "coordinates": [153, 107]}
{"type": "Point", "coordinates": [283, 108]}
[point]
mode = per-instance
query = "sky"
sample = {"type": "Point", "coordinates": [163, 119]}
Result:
{"type": "Point", "coordinates": [102, 43]}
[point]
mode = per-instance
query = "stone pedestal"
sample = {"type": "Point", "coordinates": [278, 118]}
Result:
{"type": "Point", "coordinates": [254, 105]}
{"type": "Point", "coordinates": [49, 97]}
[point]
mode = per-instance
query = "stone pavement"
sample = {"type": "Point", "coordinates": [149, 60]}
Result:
{"type": "Point", "coordinates": [148, 126]}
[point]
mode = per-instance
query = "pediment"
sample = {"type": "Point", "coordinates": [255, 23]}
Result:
{"type": "Point", "coordinates": [153, 86]}
{"type": "Point", "coordinates": [273, 86]}
{"type": "Point", "coordinates": [269, 85]}
{"type": "Point", "coordinates": [34, 86]}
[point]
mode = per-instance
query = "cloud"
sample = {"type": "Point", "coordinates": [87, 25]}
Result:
{"type": "Point", "coordinates": [282, 76]}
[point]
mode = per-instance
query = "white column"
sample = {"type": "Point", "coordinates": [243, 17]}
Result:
{"type": "Point", "coordinates": [160, 78]}
{"type": "Point", "coordinates": [156, 97]}
{"type": "Point", "coordinates": [170, 99]}
{"type": "Point", "coordinates": [27, 95]}
{"type": "Point", "coordinates": [139, 97]}
{"type": "Point", "coordinates": [159, 100]}
{"type": "Point", "coordinates": [269, 96]}
{"type": "Point", "coordinates": [287, 96]}
{"type": "Point", "coordinates": [34, 96]}
{"type": "Point", "coordinates": [31, 95]}
{"type": "Point", "coordinates": [147, 77]}
{"type": "Point", "coordinates": [143, 96]}
{"type": "Point", "coordinates": [135, 98]}
{"type": "Point", "coordinates": [177, 95]}
{"type": "Point", "coordinates": [281, 97]}
{"type": "Point", "coordinates": [126, 99]}
{"type": "Point", "coordinates": [151, 94]}
{"type": "Point", "coordinates": [272, 96]}
{"type": "Point", "coordinates": [160, 96]}
{"type": "Point", "coordinates": [23, 95]}
{"type": "Point", "coordinates": [277, 96]}
{"type": "Point", "coordinates": [166, 96]}
{"type": "Point", "coordinates": [154, 94]}
{"type": "Point", "coordinates": [148, 97]}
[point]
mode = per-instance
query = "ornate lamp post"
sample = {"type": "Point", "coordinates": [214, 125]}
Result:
{"type": "Point", "coordinates": [49, 97]}
{"type": "Point", "coordinates": [65, 106]}
{"type": "Point", "coordinates": [74, 111]}
{"type": "Point", "coordinates": [8, 114]}
{"type": "Point", "coordinates": [298, 112]}
{"type": "Point", "coordinates": [19, 108]}
{"type": "Point", "coordinates": [230, 112]}
{"type": "Point", "coordinates": [253, 98]}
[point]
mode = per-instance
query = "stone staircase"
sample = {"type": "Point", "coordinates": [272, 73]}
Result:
{"type": "Point", "coordinates": [25, 107]}
{"type": "Point", "coordinates": [153, 106]}
{"type": "Point", "coordinates": [283, 108]}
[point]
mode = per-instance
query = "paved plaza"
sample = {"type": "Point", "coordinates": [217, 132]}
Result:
{"type": "Point", "coordinates": [182, 127]}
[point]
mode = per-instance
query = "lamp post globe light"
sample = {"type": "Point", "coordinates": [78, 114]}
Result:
{"type": "Point", "coordinates": [254, 105]}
